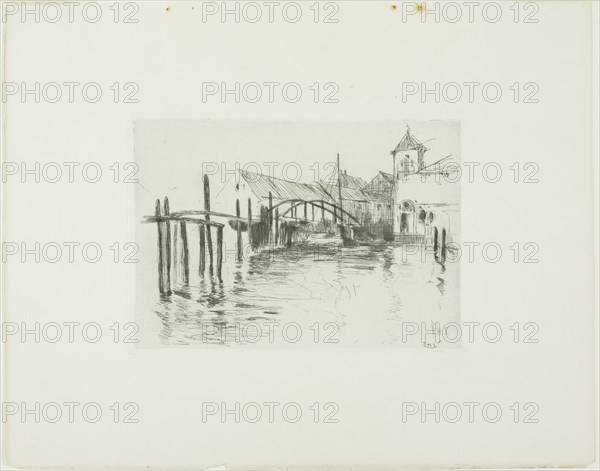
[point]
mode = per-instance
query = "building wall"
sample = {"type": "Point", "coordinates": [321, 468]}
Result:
{"type": "Point", "coordinates": [413, 190]}
{"type": "Point", "coordinates": [379, 184]}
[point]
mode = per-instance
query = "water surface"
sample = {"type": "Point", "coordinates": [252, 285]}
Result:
{"type": "Point", "coordinates": [309, 295]}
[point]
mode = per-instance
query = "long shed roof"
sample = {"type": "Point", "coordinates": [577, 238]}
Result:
{"type": "Point", "coordinates": [281, 189]}
{"type": "Point", "coordinates": [261, 185]}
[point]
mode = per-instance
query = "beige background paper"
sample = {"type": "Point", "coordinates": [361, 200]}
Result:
{"type": "Point", "coordinates": [369, 53]}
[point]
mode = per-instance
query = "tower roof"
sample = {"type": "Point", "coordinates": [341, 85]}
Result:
{"type": "Point", "coordinates": [409, 142]}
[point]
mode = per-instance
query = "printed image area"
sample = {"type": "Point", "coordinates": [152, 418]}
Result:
{"type": "Point", "coordinates": [275, 234]}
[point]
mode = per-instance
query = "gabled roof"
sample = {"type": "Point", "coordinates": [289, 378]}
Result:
{"type": "Point", "coordinates": [409, 142]}
{"type": "Point", "coordinates": [280, 189]}
{"type": "Point", "coordinates": [348, 181]}
{"type": "Point", "coordinates": [386, 176]}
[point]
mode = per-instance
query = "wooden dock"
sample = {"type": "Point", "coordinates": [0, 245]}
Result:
{"type": "Point", "coordinates": [173, 242]}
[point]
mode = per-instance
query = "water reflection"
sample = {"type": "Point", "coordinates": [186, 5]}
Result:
{"type": "Point", "coordinates": [364, 293]}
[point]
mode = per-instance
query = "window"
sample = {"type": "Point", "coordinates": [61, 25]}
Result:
{"type": "Point", "coordinates": [407, 206]}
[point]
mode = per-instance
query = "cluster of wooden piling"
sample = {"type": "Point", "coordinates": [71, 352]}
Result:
{"type": "Point", "coordinates": [270, 229]}
{"type": "Point", "coordinates": [177, 253]}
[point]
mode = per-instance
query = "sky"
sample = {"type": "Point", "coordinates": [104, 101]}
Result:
{"type": "Point", "coordinates": [171, 154]}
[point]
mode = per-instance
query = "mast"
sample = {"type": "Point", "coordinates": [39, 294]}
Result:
{"type": "Point", "coordinates": [340, 188]}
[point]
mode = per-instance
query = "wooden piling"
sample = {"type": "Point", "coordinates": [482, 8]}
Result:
{"type": "Point", "coordinates": [270, 218]}
{"type": "Point", "coordinates": [249, 222]}
{"type": "Point", "coordinates": [202, 263]}
{"type": "Point", "coordinates": [305, 211]}
{"type": "Point", "coordinates": [239, 231]}
{"type": "Point", "coordinates": [207, 218]}
{"type": "Point", "coordinates": [185, 253]}
{"type": "Point", "coordinates": [209, 248]}
{"type": "Point", "coordinates": [163, 275]}
{"type": "Point", "coordinates": [166, 212]}
{"type": "Point", "coordinates": [322, 209]}
{"type": "Point", "coordinates": [219, 251]}
{"type": "Point", "coordinates": [288, 234]}
{"type": "Point", "coordinates": [312, 209]}
{"type": "Point", "coordinates": [276, 226]}
{"type": "Point", "coordinates": [443, 251]}
{"type": "Point", "coordinates": [263, 229]}
{"type": "Point", "coordinates": [176, 259]}
{"type": "Point", "coordinates": [282, 234]}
